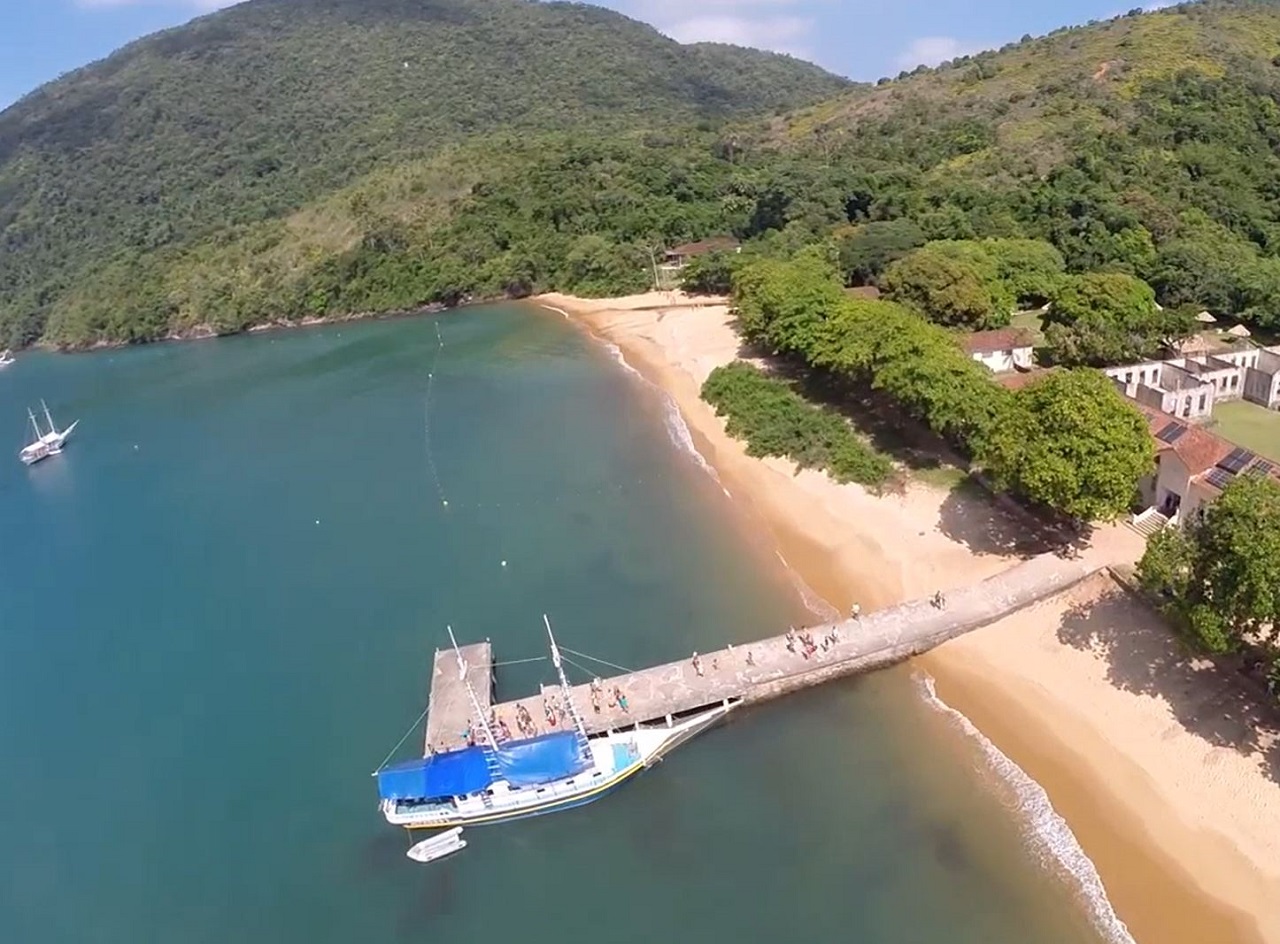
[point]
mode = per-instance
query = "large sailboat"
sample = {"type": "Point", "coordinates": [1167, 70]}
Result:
{"type": "Point", "coordinates": [495, 782]}
{"type": "Point", "coordinates": [47, 443]}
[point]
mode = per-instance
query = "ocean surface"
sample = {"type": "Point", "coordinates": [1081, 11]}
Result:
{"type": "Point", "coordinates": [218, 609]}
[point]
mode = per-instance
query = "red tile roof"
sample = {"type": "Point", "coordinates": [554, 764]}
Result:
{"type": "Point", "coordinates": [1199, 449]}
{"type": "Point", "coordinates": [1003, 339]}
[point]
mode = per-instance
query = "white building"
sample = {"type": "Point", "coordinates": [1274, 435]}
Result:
{"type": "Point", "coordinates": [1002, 350]}
{"type": "Point", "coordinates": [1262, 380]}
{"type": "Point", "coordinates": [1190, 385]}
{"type": "Point", "coordinates": [1193, 466]}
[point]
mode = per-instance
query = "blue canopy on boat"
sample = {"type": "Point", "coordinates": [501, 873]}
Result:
{"type": "Point", "coordinates": [454, 773]}
{"type": "Point", "coordinates": [541, 759]}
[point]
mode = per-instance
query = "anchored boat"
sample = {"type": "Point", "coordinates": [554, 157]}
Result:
{"type": "Point", "coordinates": [6, 358]}
{"type": "Point", "coordinates": [46, 443]}
{"type": "Point", "coordinates": [495, 782]}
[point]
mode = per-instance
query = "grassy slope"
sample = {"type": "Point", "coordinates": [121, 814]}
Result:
{"type": "Point", "coordinates": [1040, 91]}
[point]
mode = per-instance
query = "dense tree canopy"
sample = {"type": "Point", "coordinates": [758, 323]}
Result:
{"type": "Point", "coordinates": [1072, 443]}
{"type": "Point", "coordinates": [776, 421]}
{"type": "Point", "coordinates": [1101, 319]}
{"type": "Point", "coordinates": [710, 274]}
{"type": "Point", "coordinates": [258, 110]}
{"type": "Point", "coordinates": [950, 286]}
{"type": "Point", "coordinates": [1068, 441]}
{"type": "Point", "coordinates": [225, 174]}
{"type": "Point", "coordinates": [866, 250]}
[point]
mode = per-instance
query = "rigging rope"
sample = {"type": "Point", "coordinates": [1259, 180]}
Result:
{"type": "Point", "coordinates": [431, 458]}
{"type": "Point", "coordinates": [496, 665]}
{"type": "Point", "coordinates": [583, 655]}
{"type": "Point", "coordinates": [589, 673]}
{"type": "Point", "coordinates": [400, 742]}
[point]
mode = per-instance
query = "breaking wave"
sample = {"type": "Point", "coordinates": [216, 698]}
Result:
{"type": "Point", "coordinates": [677, 429]}
{"type": "Point", "coordinates": [1047, 834]}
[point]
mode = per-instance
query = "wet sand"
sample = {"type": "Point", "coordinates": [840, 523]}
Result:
{"type": "Point", "coordinates": [1181, 818]}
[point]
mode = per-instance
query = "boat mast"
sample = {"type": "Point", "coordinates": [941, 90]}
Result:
{"type": "Point", "coordinates": [475, 702]}
{"type": "Point", "coordinates": [48, 418]}
{"type": "Point", "coordinates": [34, 424]}
{"type": "Point", "coordinates": [564, 688]}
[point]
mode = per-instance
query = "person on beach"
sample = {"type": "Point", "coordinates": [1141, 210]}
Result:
{"type": "Point", "coordinates": [751, 660]}
{"type": "Point", "coordinates": [855, 612]}
{"type": "Point", "coordinates": [697, 664]}
{"type": "Point", "coordinates": [622, 699]}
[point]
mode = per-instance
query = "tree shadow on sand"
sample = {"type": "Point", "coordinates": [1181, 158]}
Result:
{"type": "Point", "coordinates": [1217, 699]}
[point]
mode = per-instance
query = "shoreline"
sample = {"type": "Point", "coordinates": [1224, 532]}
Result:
{"type": "Point", "coordinates": [1147, 799]}
{"type": "Point", "coordinates": [205, 332]}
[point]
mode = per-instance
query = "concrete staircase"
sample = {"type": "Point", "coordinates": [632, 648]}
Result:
{"type": "Point", "coordinates": [1148, 522]}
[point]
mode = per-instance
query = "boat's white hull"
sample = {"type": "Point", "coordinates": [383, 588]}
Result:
{"type": "Point", "coordinates": [48, 445]}
{"type": "Point", "coordinates": [503, 803]}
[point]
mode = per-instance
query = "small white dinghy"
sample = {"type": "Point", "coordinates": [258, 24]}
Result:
{"type": "Point", "coordinates": [437, 847]}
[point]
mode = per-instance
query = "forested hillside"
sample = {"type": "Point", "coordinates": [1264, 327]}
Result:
{"type": "Point", "coordinates": [1149, 145]}
{"type": "Point", "coordinates": [1143, 151]}
{"type": "Point", "coordinates": [252, 112]}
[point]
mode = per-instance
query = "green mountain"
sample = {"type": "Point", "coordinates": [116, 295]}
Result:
{"type": "Point", "coordinates": [248, 114]}
{"type": "Point", "coordinates": [285, 187]}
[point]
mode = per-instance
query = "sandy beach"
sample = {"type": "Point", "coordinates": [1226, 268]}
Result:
{"type": "Point", "coordinates": [1166, 771]}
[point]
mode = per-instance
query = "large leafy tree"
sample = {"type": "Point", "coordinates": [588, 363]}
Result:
{"type": "Point", "coordinates": [950, 283]}
{"type": "Point", "coordinates": [1102, 319]}
{"type": "Point", "coordinates": [1071, 442]}
{"type": "Point", "coordinates": [1221, 572]}
{"type": "Point", "coordinates": [1029, 268]}
{"type": "Point", "coordinates": [868, 249]}
{"type": "Point", "coordinates": [710, 274]}
{"type": "Point", "coordinates": [783, 303]}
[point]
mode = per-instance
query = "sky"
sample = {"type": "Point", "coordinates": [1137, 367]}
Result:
{"type": "Point", "coordinates": [862, 39]}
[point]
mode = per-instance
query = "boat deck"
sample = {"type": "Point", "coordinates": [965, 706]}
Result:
{"type": "Point", "coordinates": [451, 712]}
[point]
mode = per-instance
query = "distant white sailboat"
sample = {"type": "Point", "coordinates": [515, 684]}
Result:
{"type": "Point", "coordinates": [45, 444]}
{"type": "Point", "coordinates": [6, 357]}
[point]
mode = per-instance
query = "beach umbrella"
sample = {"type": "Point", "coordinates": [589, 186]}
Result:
{"type": "Point", "coordinates": [1205, 318]}
{"type": "Point", "coordinates": [1239, 331]}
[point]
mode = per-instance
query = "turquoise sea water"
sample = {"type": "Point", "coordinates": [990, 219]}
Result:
{"type": "Point", "coordinates": [217, 611]}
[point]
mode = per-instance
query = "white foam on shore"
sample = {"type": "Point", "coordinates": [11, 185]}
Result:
{"type": "Point", "coordinates": [677, 429]}
{"type": "Point", "coordinates": [560, 310]}
{"type": "Point", "coordinates": [1047, 834]}
{"type": "Point", "coordinates": [820, 608]}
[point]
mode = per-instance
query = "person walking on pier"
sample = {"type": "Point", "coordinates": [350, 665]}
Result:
{"type": "Point", "coordinates": [622, 699]}
{"type": "Point", "coordinates": [697, 664]}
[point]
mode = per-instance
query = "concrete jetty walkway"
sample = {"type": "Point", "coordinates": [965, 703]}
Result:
{"type": "Point", "coordinates": [768, 668]}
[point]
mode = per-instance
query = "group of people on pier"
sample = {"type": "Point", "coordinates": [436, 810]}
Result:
{"type": "Point", "coordinates": [616, 697]}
